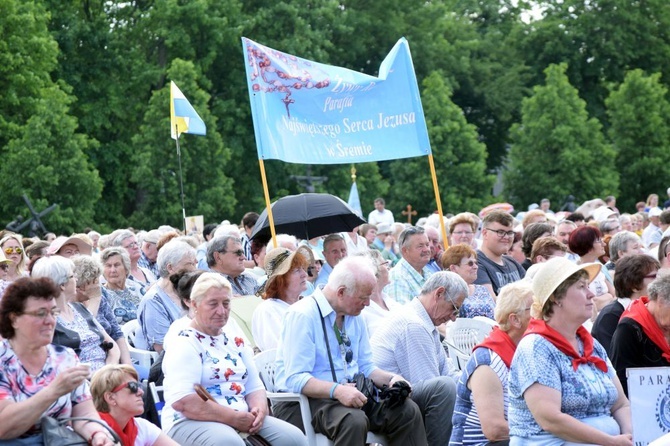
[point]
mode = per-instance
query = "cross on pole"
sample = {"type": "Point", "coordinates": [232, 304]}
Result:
{"type": "Point", "coordinates": [35, 222]}
{"type": "Point", "coordinates": [409, 212]}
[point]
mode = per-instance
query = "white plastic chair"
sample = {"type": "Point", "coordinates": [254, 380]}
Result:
{"type": "Point", "coordinates": [463, 335]}
{"type": "Point", "coordinates": [142, 359]}
{"type": "Point", "coordinates": [265, 363]}
{"type": "Point", "coordinates": [129, 329]}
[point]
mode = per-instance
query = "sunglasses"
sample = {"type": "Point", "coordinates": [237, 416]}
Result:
{"type": "Point", "coordinates": [4, 267]}
{"type": "Point", "coordinates": [347, 353]}
{"type": "Point", "coordinates": [133, 386]}
{"type": "Point", "coordinates": [238, 253]}
{"type": "Point", "coordinates": [17, 250]}
{"type": "Point", "coordinates": [469, 263]}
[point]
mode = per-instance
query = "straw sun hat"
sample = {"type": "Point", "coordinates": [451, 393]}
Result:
{"type": "Point", "coordinates": [278, 260]}
{"type": "Point", "coordinates": [553, 273]}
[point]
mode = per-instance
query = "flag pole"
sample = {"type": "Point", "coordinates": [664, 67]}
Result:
{"type": "Point", "coordinates": [181, 181]}
{"type": "Point", "coordinates": [268, 205]}
{"type": "Point", "coordinates": [437, 200]}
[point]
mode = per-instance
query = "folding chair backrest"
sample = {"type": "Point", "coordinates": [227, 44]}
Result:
{"type": "Point", "coordinates": [265, 363]}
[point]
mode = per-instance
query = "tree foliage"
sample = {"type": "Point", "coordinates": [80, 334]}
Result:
{"type": "Point", "coordinates": [557, 149]}
{"type": "Point", "coordinates": [639, 114]}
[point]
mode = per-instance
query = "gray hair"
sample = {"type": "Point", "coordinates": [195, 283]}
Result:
{"type": "Point", "coordinates": [608, 225]}
{"type": "Point", "coordinates": [120, 236]}
{"type": "Point", "coordinates": [116, 251]}
{"type": "Point", "coordinates": [207, 281]}
{"type": "Point", "coordinates": [349, 272]}
{"type": "Point", "coordinates": [86, 269]}
{"type": "Point", "coordinates": [171, 253]}
{"type": "Point", "coordinates": [659, 289]}
{"type": "Point", "coordinates": [454, 285]}
{"type": "Point", "coordinates": [620, 243]}
{"type": "Point", "coordinates": [56, 268]}
{"type": "Point", "coordinates": [218, 244]}
{"type": "Point", "coordinates": [405, 235]}
{"type": "Point", "coordinates": [512, 300]}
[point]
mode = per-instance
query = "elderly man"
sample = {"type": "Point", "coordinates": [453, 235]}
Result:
{"type": "Point", "coordinates": [334, 250]}
{"type": "Point", "coordinates": [563, 230]}
{"type": "Point", "coordinates": [226, 256]}
{"type": "Point", "coordinates": [435, 249]}
{"type": "Point", "coordinates": [652, 234]}
{"type": "Point", "coordinates": [410, 273]}
{"type": "Point", "coordinates": [409, 344]}
{"type": "Point", "coordinates": [149, 252]}
{"type": "Point", "coordinates": [322, 345]}
{"type": "Point", "coordinates": [495, 268]}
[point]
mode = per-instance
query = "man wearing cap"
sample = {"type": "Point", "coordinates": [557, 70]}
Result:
{"type": "Point", "coordinates": [69, 247]}
{"type": "Point", "coordinates": [409, 275]}
{"type": "Point", "coordinates": [149, 252]}
{"type": "Point", "coordinates": [380, 214]}
{"type": "Point", "coordinates": [652, 234]}
{"type": "Point", "coordinates": [334, 250]}
{"type": "Point", "coordinates": [496, 269]}
{"type": "Point", "coordinates": [408, 343]}
{"type": "Point", "coordinates": [323, 344]}
{"type": "Point", "coordinates": [226, 256]}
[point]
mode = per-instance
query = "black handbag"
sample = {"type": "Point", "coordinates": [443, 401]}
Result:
{"type": "Point", "coordinates": [56, 433]}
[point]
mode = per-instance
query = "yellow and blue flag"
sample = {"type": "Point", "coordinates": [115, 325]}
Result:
{"type": "Point", "coordinates": [183, 117]}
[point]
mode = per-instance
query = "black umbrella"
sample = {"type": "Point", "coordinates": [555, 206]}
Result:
{"type": "Point", "coordinates": [307, 216]}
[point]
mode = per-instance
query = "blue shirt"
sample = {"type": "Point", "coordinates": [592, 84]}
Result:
{"type": "Point", "coordinates": [324, 274]}
{"type": "Point", "coordinates": [155, 314]}
{"type": "Point", "coordinates": [302, 353]}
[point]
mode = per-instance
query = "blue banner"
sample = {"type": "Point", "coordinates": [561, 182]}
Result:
{"type": "Point", "coordinates": [310, 113]}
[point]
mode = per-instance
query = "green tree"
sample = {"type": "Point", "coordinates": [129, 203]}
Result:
{"type": "Point", "coordinates": [460, 160]}
{"type": "Point", "coordinates": [207, 190]}
{"type": "Point", "coordinates": [639, 113]}
{"type": "Point", "coordinates": [557, 149]}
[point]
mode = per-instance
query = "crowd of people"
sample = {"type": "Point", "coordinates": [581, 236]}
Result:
{"type": "Point", "coordinates": [576, 298]}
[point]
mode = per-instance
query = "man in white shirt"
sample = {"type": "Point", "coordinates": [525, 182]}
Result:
{"type": "Point", "coordinates": [380, 214]}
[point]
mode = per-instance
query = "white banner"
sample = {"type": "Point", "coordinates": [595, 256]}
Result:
{"type": "Point", "coordinates": [649, 394]}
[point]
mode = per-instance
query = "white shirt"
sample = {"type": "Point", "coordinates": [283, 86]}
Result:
{"type": "Point", "coordinates": [232, 329]}
{"type": "Point", "coordinates": [361, 245]}
{"type": "Point", "coordinates": [147, 432]}
{"type": "Point", "coordinates": [267, 321]}
{"type": "Point", "coordinates": [375, 217]}
{"type": "Point", "coordinates": [374, 314]}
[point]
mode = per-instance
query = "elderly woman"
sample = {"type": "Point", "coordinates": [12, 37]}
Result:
{"type": "Point", "coordinates": [12, 246]}
{"type": "Point", "coordinates": [635, 273]}
{"type": "Point", "coordinates": [562, 388]}
{"type": "Point", "coordinates": [462, 260]}
{"type": "Point", "coordinates": [161, 305]}
{"type": "Point", "coordinates": [117, 395]}
{"type": "Point", "coordinates": [76, 327]}
{"type": "Point", "coordinates": [622, 244]}
{"type": "Point", "coordinates": [287, 280]}
{"type": "Point", "coordinates": [39, 378]}
{"type": "Point", "coordinates": [69, 247]}
{"type": "Point", "coordinates": [640, 338]}
{"type": "Point", "coordinates": [462, 228]}
{"type": "Point", "coordinates": [369, 233]}
{"type": "Point", "coordinates": [587, 243]}
{"type": "Point", "coordinates": [225, 368]}
{"type": "Point", "coordinates": [141, 276]}
{"type": "Point", "coordinates": [380, 303]}
{"type": "Point", "coordinates": [124, 294]}
{"type": "Point", "coordinates": [87, 273]}
{"type": "Point", "coordinates": [480, 414]}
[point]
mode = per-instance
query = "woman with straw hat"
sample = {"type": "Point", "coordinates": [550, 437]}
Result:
{"type": "Point", "coordinates": [563, 390]}
{"type": "Point", "coordinates": [287, 281]}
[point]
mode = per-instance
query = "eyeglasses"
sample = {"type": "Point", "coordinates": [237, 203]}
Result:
{"type": "Point", "coordinates": [238, 253]}
{"type": "Point", "coordinates": [501, 233]}
{"type": "Point", "coordinates": [346, 342]}
{"type": "Point", "coordinates": [132, 245]}
{"type": "Point", "coordinates": [469, 263]}
{"type": "Point", "coordinates": [43, 313]}
{"type": "Point", "coordinates": [457, 309]}
{"type": "Point", "coordinates": [462, 233]}
{"type": "Point", "coordinates": [133, 386]}
{"type": "Point", "coordinates": [4, 266]}
{"type": "Point", "coordinates": [16, 249]}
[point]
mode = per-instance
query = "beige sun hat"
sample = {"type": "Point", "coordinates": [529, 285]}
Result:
{"type": "Point", "coordinates": [56, 245]}
{"type": "Point", "coordinates": [278, 260]}
{"type": "Point", "coordinates": [552, 273]}
{"type": "Point", "coordinates": [4, 259]}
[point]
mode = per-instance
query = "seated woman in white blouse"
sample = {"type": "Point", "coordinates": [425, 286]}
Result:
{"type": "Point", "coordinates": [287, 280]}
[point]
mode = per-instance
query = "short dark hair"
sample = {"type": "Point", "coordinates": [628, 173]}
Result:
{"type": "Point", "coordinates": [16, 295]}
{"type": "Point", "coordinates": [545, 247]}
{"type": "Point", "coordinates": [663, 248]}
{"type": "Point", "coordinates": [630, 272]}
{"type": "Point", "coordinates": [502, 217]}
{"type": "Point", "coordinates": [183, 282]}
{"type": "Point", "coordinates": [575, 217]}
{"type": "Point", "coordinates": [582, 239]}
{"type": "Point", "coordinates": [665, 217]}
{"type": "Point", "coordinates": [249, 219]}
{"type": "Point", "coordinates": [380, 200]}
{"type": "Point", "coordinates": [533, 232]}
{"type": "Point", "coordinates": [208, 229]}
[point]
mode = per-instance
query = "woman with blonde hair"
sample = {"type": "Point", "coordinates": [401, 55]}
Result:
{"type": "Point", "coordinates": [117, 395]}
{"type": "Point", "coordinates": [12, 246]}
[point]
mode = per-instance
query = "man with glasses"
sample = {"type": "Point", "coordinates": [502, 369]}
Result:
{"type": "Point", "coordinates": [410, 273]}
{"type": "Point", "coordinates": [149, 252]}
{"type": "Point", "coordinates": [496, 269]}
{"type": "Point", "coordinates": [226, 256]}
{"type": "Point", "coordinates": [408, 343]}
{"type": "Point", "coordinates": [323, 344]}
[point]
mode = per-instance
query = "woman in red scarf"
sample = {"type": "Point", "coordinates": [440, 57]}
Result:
{"type": "Point", "coordinates": [117, 396]}
{"type": "Point", "coordinates": [562, 388]}
{"type": "Point", "coordinates": [480, 415]}
{"type": "Point", "coordinates": [641, 338]}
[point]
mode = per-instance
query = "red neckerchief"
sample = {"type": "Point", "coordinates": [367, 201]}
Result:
{"type": "Point", "coordinates": [540, 327]}
{"type": "Point", "coordinates": [638, 311]}
{"type": "Point", "coordinates": [500, 342]}
{"type": "Point", "coordinates": [127, 435]}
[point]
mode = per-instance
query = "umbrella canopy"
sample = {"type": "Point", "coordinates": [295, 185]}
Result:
{"type": "Point", "coordinates": [506, 207]}
{"type": "Point", "coordinates": [307, 216]}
